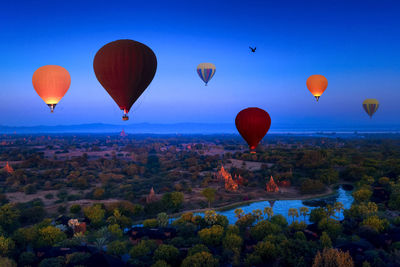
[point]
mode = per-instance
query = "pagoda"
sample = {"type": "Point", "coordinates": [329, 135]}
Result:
{"type": "Point", "coordinates": [123, 134]}
{"type": "Point", "coordinates": [271, 186]}
{"type": "Point", "coordinates": [230, 184]}
{"type": "Point", "coordinates": [151, 197]}
{"type": "Point", "coordinates": [8, 168]}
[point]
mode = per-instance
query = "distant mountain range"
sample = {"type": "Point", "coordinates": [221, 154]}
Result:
{"type": "Point", "coordinates": [183, 128]}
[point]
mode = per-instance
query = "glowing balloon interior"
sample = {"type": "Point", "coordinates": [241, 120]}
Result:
{"type": "Point", "coordinates": [51, 82]}
{"type": "Point", "coordinates": [317, 84]}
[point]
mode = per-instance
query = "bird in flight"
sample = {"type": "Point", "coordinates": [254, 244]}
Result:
{"type": "Point", "coordinates": [253, 49]}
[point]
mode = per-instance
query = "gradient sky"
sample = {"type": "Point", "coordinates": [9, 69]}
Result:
{"type": "Point", "coordinates": [355, 44]}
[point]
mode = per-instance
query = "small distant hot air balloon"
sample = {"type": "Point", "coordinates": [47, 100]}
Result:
{"type": "Point", "coordinates": [253, 124]}
{"type": "Point", "coordinates": [51, 82]}
{"type": "Point", "coordinates": [370, 106]}
{"type": "Point", "coordinates": [125, 68]}
{"type": "Point", "coordinates": [206, 71]}
{"type": "Point", "coordinates": [317, 84]}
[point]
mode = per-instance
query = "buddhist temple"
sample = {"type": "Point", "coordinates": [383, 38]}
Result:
{"type": "Point", "coordinates": [123, 134]}
{"type": "Point", "coordinates": [8, 168]}
{"type": "Point", "coordinates": [151, 197]}
{"type": "Point", "coordinates": [230, 184]}
{"type": "Point", "coordinates": [271, 186]}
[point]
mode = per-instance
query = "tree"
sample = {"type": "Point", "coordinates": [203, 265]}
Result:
{"type": "Point", "coordinates": [162, 219]}
{"type": "Point", "coordinates": [232, 242]}
{"type": "Point", "coordinates": [50, 235]}
{"type": "Point", "coordinates": [333, 257]}
{"type": "Point", "coordinates": [197, 248]}
{"type": "Point", "coordinates": [95, 214]}
{"type": "Point", "coordinates": [209, 194]}
{"type": "Point", "coordinates": [362, 194]}
{"type": "Point", "coordinates": [375, 223]}
{"type": "Point", "coordinates": [212, 236]}
{"type": "Point", "coordinates": [201, 259]}
{"type": "Point", "coordinates": [338, 207]}
{"type": "Point", "coordinates": [257, 213]}
{"type": "Point", "coordinates": [269, 212]}
{"type": "Point", "coordinates": [167, 253]}
{"type": "Point", "coordinates": [266, 250]}
{"type": "Point", "coordinates": [151, 223]}
{"type": "Point", "coordinates": [304, 212]}
{"type": "Point", "coordinates": [292, 212]}
{"type": "Point", "coordinates": [160, 264]}
{"type": "Point", "coordinates": [210, 216]}
{"type": "Point", "coordinates": [9, 216]}
{"type": "Point", "coordinates": [239, 213]}
{"type": "Point", "coordinates": [331, 227]}
{"type": "Point", "coordinates": [75, 208]}
{"type": "Point", "coordinates": [7, 262]}
{"type": "Point", "coordinates": [6, 246]}
{"type": "Point", "coordinates": [317, 215]}
{"type": "Point", "coordinates": [325, 240]}
{"type": "Point", "coordinates": [115, 230]}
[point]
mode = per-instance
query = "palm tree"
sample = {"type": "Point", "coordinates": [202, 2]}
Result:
{"type": "Point", "coordinates": [293, 213]}
{"type": "Point", "coordinates": [257, 214]}
{"type": "Point", "coordinates": [239, 213]}
{"type": "Point", "coordinates": [304, 212]}
{"type": "Point", "coordinates": [338, 207]}
{"type": "Point", "coordinates": [329, 211]}
{"type": "Point", "coordinates": [269, 212]}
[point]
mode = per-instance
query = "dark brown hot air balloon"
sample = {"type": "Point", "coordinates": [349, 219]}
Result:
{"type": "Point", "coordinates": [253, 124]}
{"type": "Point", "coordinates": [125, 68]}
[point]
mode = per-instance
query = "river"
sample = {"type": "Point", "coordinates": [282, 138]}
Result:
{"type": "Point", "coordinates": [282, 206]}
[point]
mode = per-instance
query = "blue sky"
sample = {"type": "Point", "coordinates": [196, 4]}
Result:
{"type": "Point", "coordinates": [355, 44]}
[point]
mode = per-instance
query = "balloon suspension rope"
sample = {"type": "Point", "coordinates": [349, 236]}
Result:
{"type": "Point", "coordinates": [51, 106]}
{"type": "Point", "coordinates": [125, 117]}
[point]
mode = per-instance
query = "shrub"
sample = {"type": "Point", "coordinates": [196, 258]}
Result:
{"type": "Point", "coordinates": [150, 223]}
{"type": "Point", "coordinates": [75, 209]}
{"type": "Point", "coordinates": [167, 253]}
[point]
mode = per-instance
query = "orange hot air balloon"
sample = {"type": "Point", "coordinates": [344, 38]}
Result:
{"type": "Point", "coordinates": [317, 84]}
{"type": "Point", "coordinates": [253, 124]}
{"type": "Point", "coordinates": [51, 82]}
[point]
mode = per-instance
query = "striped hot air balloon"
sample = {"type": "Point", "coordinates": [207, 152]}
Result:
{"type": "Point", "coordinates": [370, 106]}
{"type": "Point", "coordinates": [206, 71]}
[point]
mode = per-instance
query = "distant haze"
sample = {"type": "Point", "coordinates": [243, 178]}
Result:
{"type": "Point", "coordinates": [354, 44]}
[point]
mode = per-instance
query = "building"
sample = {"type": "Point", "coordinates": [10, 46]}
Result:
{"type": "Point", "coordinates": [271, 186]}
{"type": "Point", "coordinates": [8, 168]}
{"type": "Point", "coordinates": [230, 184]}
{"type": "Point", "coordinates": [151, 197]}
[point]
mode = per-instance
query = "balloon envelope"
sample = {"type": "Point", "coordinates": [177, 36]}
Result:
{"type": "Point", "coordinates": [370, 106]}
{"type": "Point", "coordinates": [317, 84]}
{"type": "Point", "coordinates": [206, 71]}
{"type": "Point", "coordinates": [253, 124]}
{"type": "Point", "coordinates": [51, 82]}
{"type": "Point", "coordinates": [125, 68]}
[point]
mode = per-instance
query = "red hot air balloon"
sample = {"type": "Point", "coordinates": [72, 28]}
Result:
{"type": "Point", "coordinates": [253, 124]}
{"type": "Point", "coordinates": [125, 68]}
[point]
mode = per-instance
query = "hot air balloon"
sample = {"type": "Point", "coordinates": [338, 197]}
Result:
{"type": "Point", "coordinates": [125, 68]}
{"type": "Point", "coordinates": [206, 71]}
{"type": "Point", "coordinates": [253, 124]}
{"type": "Point", "coordinates": [51, 82]}
{"type": "Point", "coordinates": [317, 84]}
{"type": "Point", "coordinates": [370, 106]}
